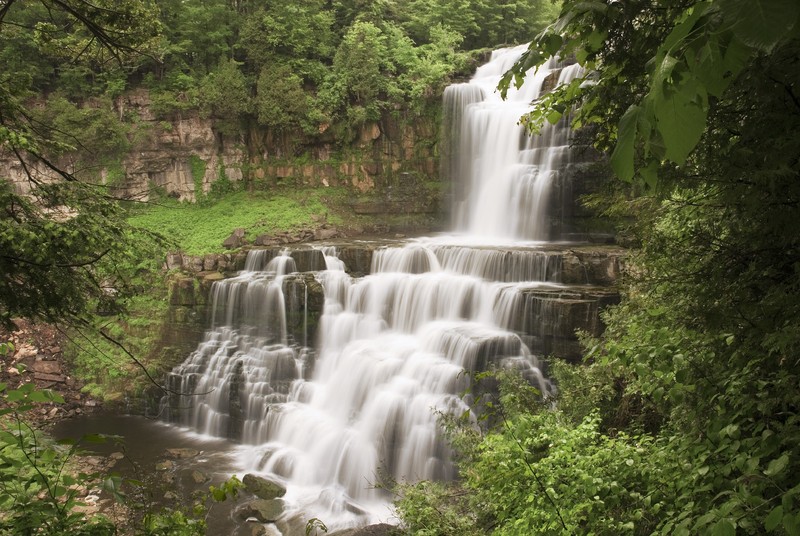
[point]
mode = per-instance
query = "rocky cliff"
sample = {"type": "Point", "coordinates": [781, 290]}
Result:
{"type": "Point", "coordinates": [389, 167]}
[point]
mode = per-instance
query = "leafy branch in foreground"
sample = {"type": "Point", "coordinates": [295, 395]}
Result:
{"type": "Point", "coordinates": [655, 70]}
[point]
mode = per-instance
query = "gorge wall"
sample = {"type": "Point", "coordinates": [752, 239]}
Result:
{"type": "Point", "coordinates": [389, 166]}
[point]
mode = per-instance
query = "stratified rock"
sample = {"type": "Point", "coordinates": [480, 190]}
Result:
{"type": "Point", "coordinates": [262, 487]}
{"type": "Point", "coordinates": [181, 291]}
{"type": "Point", "coordinates": [265, 511]}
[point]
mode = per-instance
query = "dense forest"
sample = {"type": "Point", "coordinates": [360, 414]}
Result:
{"type": "Point", "coordinates": [683, 419]}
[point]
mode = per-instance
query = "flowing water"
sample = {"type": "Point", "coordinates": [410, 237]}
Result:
{"type": "Point", "coordinates": [336, 414]}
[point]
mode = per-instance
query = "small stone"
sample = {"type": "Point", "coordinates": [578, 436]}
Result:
{"type": "Point", "coordinates": [47, 367]}
{"type": "Point", "coordinates": [198, 477]}
{"type": "Point", "coordinates": [170, 496]}
{"type": "Point", "coordinates": [165, 465]}
{"type": "Point", "coordinates": [235, 240]}
{"type": "Point", "coordinates": [182, 453]}
{"type": "Point", "coordinates": [57, 378]}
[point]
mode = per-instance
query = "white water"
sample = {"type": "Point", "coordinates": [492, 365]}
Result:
{"type": "Point", "coordinates": [504, 175]}
{"type": "Point", "coordinates": [395, 347]}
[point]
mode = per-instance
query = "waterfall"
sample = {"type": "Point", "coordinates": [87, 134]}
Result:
{"type": "Point", "coordinates": [502, 188]}
{"type": "Point", "coordinates": [335, 414]}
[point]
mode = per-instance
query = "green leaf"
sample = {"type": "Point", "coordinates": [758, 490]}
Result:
{"type": "Point", "coordinates": [777, 465]}
{"type": "Point", "coordinates": [682, 29]}
{"type": "Point", "coordinates": [773, 519]}
{"type": "Point", "coordinates": [723, 527]}
{"type": "Point", "coordinates": [554, 117]}
{"type": "Point", "coordinates": [762, 24]}
{"type": "Point", "coordinates": [681, 119]}
{"type": "Point", "coordinates": [622, 157]}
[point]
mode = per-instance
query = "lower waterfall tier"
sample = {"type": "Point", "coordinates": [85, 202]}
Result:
{"type": "Point", "coordinates": [335, 377]}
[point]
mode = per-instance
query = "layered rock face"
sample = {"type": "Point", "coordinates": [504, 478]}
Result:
{"type": "Point", "coordinates": [387, 167]}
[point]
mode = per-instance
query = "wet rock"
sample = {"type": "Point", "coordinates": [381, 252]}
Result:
{"type": "Point", "coordinates": [236, 421]}
{"type": "Point", "coordinates": [263, 510]}
{"type": "Point", "coordinates": [166, 465]}
{"type": "Point", "coordinates": [198, 477]}
{"type": "Point", "coordinates": [262, 487]}
{"type": "Point", "coordinates": [592, 266]}
{"type": "Point", "coordinates": [182, 453]}
{"type": "Point", "coordinates": [308, 260]}
{"type": "Point", "coordinates": [252, 529]}
{"type": "Point", "coordinates": [357, 258]}
{"type": "Point", "coordinates": [305, 299]}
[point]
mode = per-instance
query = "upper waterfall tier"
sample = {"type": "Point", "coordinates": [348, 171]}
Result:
{"type": "Point", "coordinates": [503, 177]}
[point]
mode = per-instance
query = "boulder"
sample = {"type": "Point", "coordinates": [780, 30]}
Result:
{"type": "Point", "coordinates": [263, 510]}
{"type": "Point", "coordinates": [325, 234]}
{"type": "Point", "coordinates": [235, 240]}
{"type": "Point", "coordinates": [262, 487]}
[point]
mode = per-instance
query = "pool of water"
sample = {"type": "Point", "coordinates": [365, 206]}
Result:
{"type": "Point", "coordinates": [167, 479]}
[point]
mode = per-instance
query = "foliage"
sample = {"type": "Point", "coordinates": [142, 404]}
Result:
{"type": "Point", "coordinates": [39, 492]}
{"type": "Point", "coordinates": [281, 103]}
{"type": "Point", "coordinates": [225, 95]}
{"type": "Point", "coordinates": [538, 472]}
{"type": "Point", "coordinates": [62, 241]}
{"type": "Point", "coordinates": [676, 71]}
{"type": "Point", "coordinates": [192, 522]}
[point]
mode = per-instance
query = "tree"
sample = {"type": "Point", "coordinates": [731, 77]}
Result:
{"type": "Point", "coordinates": [63, 244]}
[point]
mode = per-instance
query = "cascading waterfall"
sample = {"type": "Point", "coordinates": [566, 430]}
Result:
{"type": "Point", "coordinates": [393, 348]}
{"type": "Point", "coordinates": [502, 175]}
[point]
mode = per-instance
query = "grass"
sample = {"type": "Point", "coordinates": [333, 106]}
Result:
{"type": "Point", "coordinates": [201, 228]}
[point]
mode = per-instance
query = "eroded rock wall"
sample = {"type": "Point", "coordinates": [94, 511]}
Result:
{"type": "Point", "coordinates": [387, 167]}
